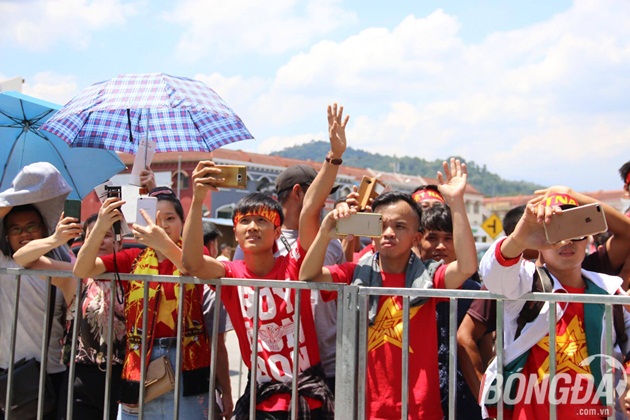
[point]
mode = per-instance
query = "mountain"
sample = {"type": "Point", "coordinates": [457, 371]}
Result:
{"type": "Point", "coordinates": [488, 183]}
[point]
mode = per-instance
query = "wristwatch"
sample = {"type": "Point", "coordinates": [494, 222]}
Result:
{"type": "Point", "coordinates": [333, 161]}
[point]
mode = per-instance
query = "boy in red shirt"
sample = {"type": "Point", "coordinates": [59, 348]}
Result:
{"type": "Point", "coordinates": [395, 265]}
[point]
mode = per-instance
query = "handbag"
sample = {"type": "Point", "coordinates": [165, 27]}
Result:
{"type": "Point", "coordinates": [25, 383]}
{"type": "Point", "coordinates": [160, 379]}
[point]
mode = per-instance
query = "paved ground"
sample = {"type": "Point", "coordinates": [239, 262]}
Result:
{"type": "Point", "coordinates": [238, 371]}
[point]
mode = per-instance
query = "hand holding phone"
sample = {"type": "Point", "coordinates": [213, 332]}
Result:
{"type": "Point", "coordinates": [361, 224]}
{"type": "Point", "coordinates": [114, 191]}
{"type": "Point", "coordinates": [576, 223]}
{"type": "Point", "coordinates": [72, 208]}
{"type": "Point", "coordinates": [149, 205]}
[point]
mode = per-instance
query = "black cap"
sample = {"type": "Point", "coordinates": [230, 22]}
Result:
{"type": "Point", "coordinates": [297, 174]}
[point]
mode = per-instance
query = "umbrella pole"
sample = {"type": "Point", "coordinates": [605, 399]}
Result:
{"type": "Point", "coordinates": [129, 125]}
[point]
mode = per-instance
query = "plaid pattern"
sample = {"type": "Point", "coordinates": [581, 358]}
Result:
{"type": "Point", "coordinates": [180, 114]}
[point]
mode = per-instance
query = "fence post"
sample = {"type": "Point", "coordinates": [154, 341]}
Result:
{"type": "Point", "coordinates": [346, 369]}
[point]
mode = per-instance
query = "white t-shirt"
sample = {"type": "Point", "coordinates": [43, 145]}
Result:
{"type": "Point", "coordinates": [30, 323]}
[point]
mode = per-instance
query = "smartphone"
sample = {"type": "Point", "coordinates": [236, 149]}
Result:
{"type": "Point", "coordinates": [113, 191]}
{"type": "Point", "coordinates": [370, 188]}
{"type": "Point", "coordinates": [72, 208]}
{"type": "Point", "coordinates": [361, 224]}
{"type": "Point", "coordinates": [235, 176]}
{"type": "Point", "coordinates": [576, 222]}
{"type": "Point", "coordinates": [148, 204]}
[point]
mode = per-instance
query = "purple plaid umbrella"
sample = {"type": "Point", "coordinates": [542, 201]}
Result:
{"type": "Point", "coordinates": [180, 114]}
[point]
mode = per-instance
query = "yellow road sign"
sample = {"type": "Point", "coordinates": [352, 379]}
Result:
{"type": "Point", "coordinates": [493, 226]}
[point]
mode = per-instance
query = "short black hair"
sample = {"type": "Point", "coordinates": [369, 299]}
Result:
{"type": "Point", "coordinates": [511, 218]}
{"type": "Point", "coordinates": [210, 232]}
{"type": "Point", "coordinates": [392, 197]}
{"type": "Point", "coordinates": [166, 194]}
{"type": "Point", "coordinates": [88, 222]}
{"type": "Point", "coordinates": [437, 217]}
{"type": "Point", "coordinates": [623, 171]}
{"type": "Point", "coordinates": [23, 209]}
{"type": "Point", "coordinates": [258, 201]}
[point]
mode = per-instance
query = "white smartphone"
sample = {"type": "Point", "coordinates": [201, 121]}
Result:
{"type": "Point", "coordinates": [148, 204]}
{"type": "Point", "coordinates": [361, 224]}
{"type": "Point", "coordinates": [576, 222]}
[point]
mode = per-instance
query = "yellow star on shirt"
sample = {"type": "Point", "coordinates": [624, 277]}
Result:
{"type": "Point", "coordinates": [571, 350]}
{"type": "Point", "coordinates": [388, 325]}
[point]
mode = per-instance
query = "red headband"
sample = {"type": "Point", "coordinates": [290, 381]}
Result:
{"type": "Point", "coordinates": [628, 178]}
{"type": "Point", "coordinates": [425, 195]}
{"type": "Point", "coordinates": [268, 214]}
{"type": "Point", "coordinates": [560, 200]}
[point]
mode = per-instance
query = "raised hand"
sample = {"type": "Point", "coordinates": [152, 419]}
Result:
{"type": "Point", "coordinates": [337, 130]}
{"type": "Point", "coordinates": [206, 177]}
{"type": "Point", "coordinates": [151, 235]}
{"type": "Point", "coordinates": [67, 228]}
{"type": "Point", "coordinates": [109, 213]}
{"type": "Point", "coordinates": [452, 184]}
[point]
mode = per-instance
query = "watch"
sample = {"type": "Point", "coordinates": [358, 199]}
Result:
{"type": "Point", "coordinates": [334, 161]}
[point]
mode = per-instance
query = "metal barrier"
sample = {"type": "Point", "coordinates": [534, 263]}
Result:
{"type": "Point", "coordinates": [352, 327]}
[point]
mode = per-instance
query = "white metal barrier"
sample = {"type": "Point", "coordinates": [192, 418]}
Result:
{"type": "Point", "coordinates": [352, 327]}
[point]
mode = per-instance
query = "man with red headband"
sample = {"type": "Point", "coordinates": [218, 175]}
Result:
{"type": "Point", "coordinates": [427, 195]}
{"type": "Point", "coordinates": [257, 225]}
{"type": "Point", "coordinates": [580, 378]}
{"type": "Point", "coordinates": [624, 171]}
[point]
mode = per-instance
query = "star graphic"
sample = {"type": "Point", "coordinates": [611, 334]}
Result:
{"type": "Point", "coordinates": [388, 325]}
{"type": "Point", "coordinates": [571, 351]}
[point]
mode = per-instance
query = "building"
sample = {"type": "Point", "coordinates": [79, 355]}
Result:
{"type": "Point", "coordinates": [262, 170]}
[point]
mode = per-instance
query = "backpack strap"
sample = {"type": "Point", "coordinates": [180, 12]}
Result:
{"type": "Point", "coordinates": [540, 283]}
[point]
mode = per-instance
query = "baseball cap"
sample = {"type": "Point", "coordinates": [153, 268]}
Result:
{"type": "Point", "coordinates": [297, 174]}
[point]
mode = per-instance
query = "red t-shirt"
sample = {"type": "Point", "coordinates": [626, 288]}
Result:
{"type": "Point", "coordinates": [276, 340]}
{"type": "Point", "coordinates": [384, 358]}
{"type": "Point", "coordinates": [572, 387]}
{"type": "Point", "coordinates": [167, 314]}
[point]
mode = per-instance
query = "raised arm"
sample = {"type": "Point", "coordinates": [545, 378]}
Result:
{"type": "Point", "coordinates": [452, 186]}
{"type": "Point", "coordinates": [312, 268]}
{"type": "Point", "coordinates": [315, 197]}
{"type": "Point", "coordinates": [154, 236]}
{"type": "Point", "coordinates": [205, 178]}
{"type": "Point", "coordinates": [29, 255]}
{"type": "Point", "coordinates": [88, 263]}
{"type": "Point", "coordinates": [617, 246]}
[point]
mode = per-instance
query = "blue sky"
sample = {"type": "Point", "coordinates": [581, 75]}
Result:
{"type": "Point", "coordinates": [536, 90]}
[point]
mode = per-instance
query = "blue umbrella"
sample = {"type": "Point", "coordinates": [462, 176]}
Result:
{"type": "Point", "coordinates": [178, 113]}
{"type": "Point", "coordinates": [22, 143]}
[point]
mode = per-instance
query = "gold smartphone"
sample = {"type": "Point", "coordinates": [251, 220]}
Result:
{"type": "Point", "coordinates": [576, 222]}
{"type": "Point", "coordinates": [361, 224]}
{"type": "Point", "coordinates": [235, 176]}
{"type": "Point", "coordinates": [370, 188]}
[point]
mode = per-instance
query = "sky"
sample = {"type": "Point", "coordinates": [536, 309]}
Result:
{"type": "Point", "coordinates": [536, 90]}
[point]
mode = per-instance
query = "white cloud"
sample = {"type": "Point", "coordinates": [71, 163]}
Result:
{"type": "Point", "coordinates": [38, 24]}
{"type": "Point", "coordinates": [520, 101]}
{"type": "Point", "coordinates": [246, 27]}
{"type": "Point", "coordinates": [52, 87]}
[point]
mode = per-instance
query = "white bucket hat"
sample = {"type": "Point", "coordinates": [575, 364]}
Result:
{"type": "Point", "coordinates": [41, 185]}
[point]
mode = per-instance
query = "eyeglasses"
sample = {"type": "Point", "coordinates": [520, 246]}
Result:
{"type": "Point", "coordinates": [17, 230]}
{"type": "Point", "coordinates": [161, 191]}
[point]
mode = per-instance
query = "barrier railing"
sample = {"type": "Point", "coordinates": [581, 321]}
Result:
{"type": "Point", "coordinates": [352, 327]}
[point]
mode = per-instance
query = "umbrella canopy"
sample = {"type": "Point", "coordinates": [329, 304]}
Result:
{"type": "Point", "coordinates": [21, 143]}
{"type": "Point", "coordinates": [180, 114]}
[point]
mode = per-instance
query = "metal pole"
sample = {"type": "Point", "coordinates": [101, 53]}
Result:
{"type": "Point", "coordinates": [179, 173]}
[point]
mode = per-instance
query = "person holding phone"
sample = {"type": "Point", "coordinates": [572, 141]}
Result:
{"type": "Point", "coordinates": [395, 265]}
{"type": "Point", "coordinates": [580, 331]}
{"type": "Point", "coordinates": [162, 255]}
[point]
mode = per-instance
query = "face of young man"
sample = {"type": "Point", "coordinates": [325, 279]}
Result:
{"type": "Point", "coordinates": [568, 257]}
{"type": "Point", "coordinates": [255, 233]}
{"type": "Point", "coordinates": [400, 230]}
{"type": "Point", "coordinates": [23, 227]}
{"type": "Point", "coordinates": [437, 245]}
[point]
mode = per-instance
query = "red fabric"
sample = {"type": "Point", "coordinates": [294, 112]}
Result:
{"type": "Point", "coordinates": [275, 327]}
{"type": "Point", "coordinates": [505, 262]}
{"type": "Point", "coordinates": [571, 345]}
{"type": "Point", "coordinates": [384, 358]}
